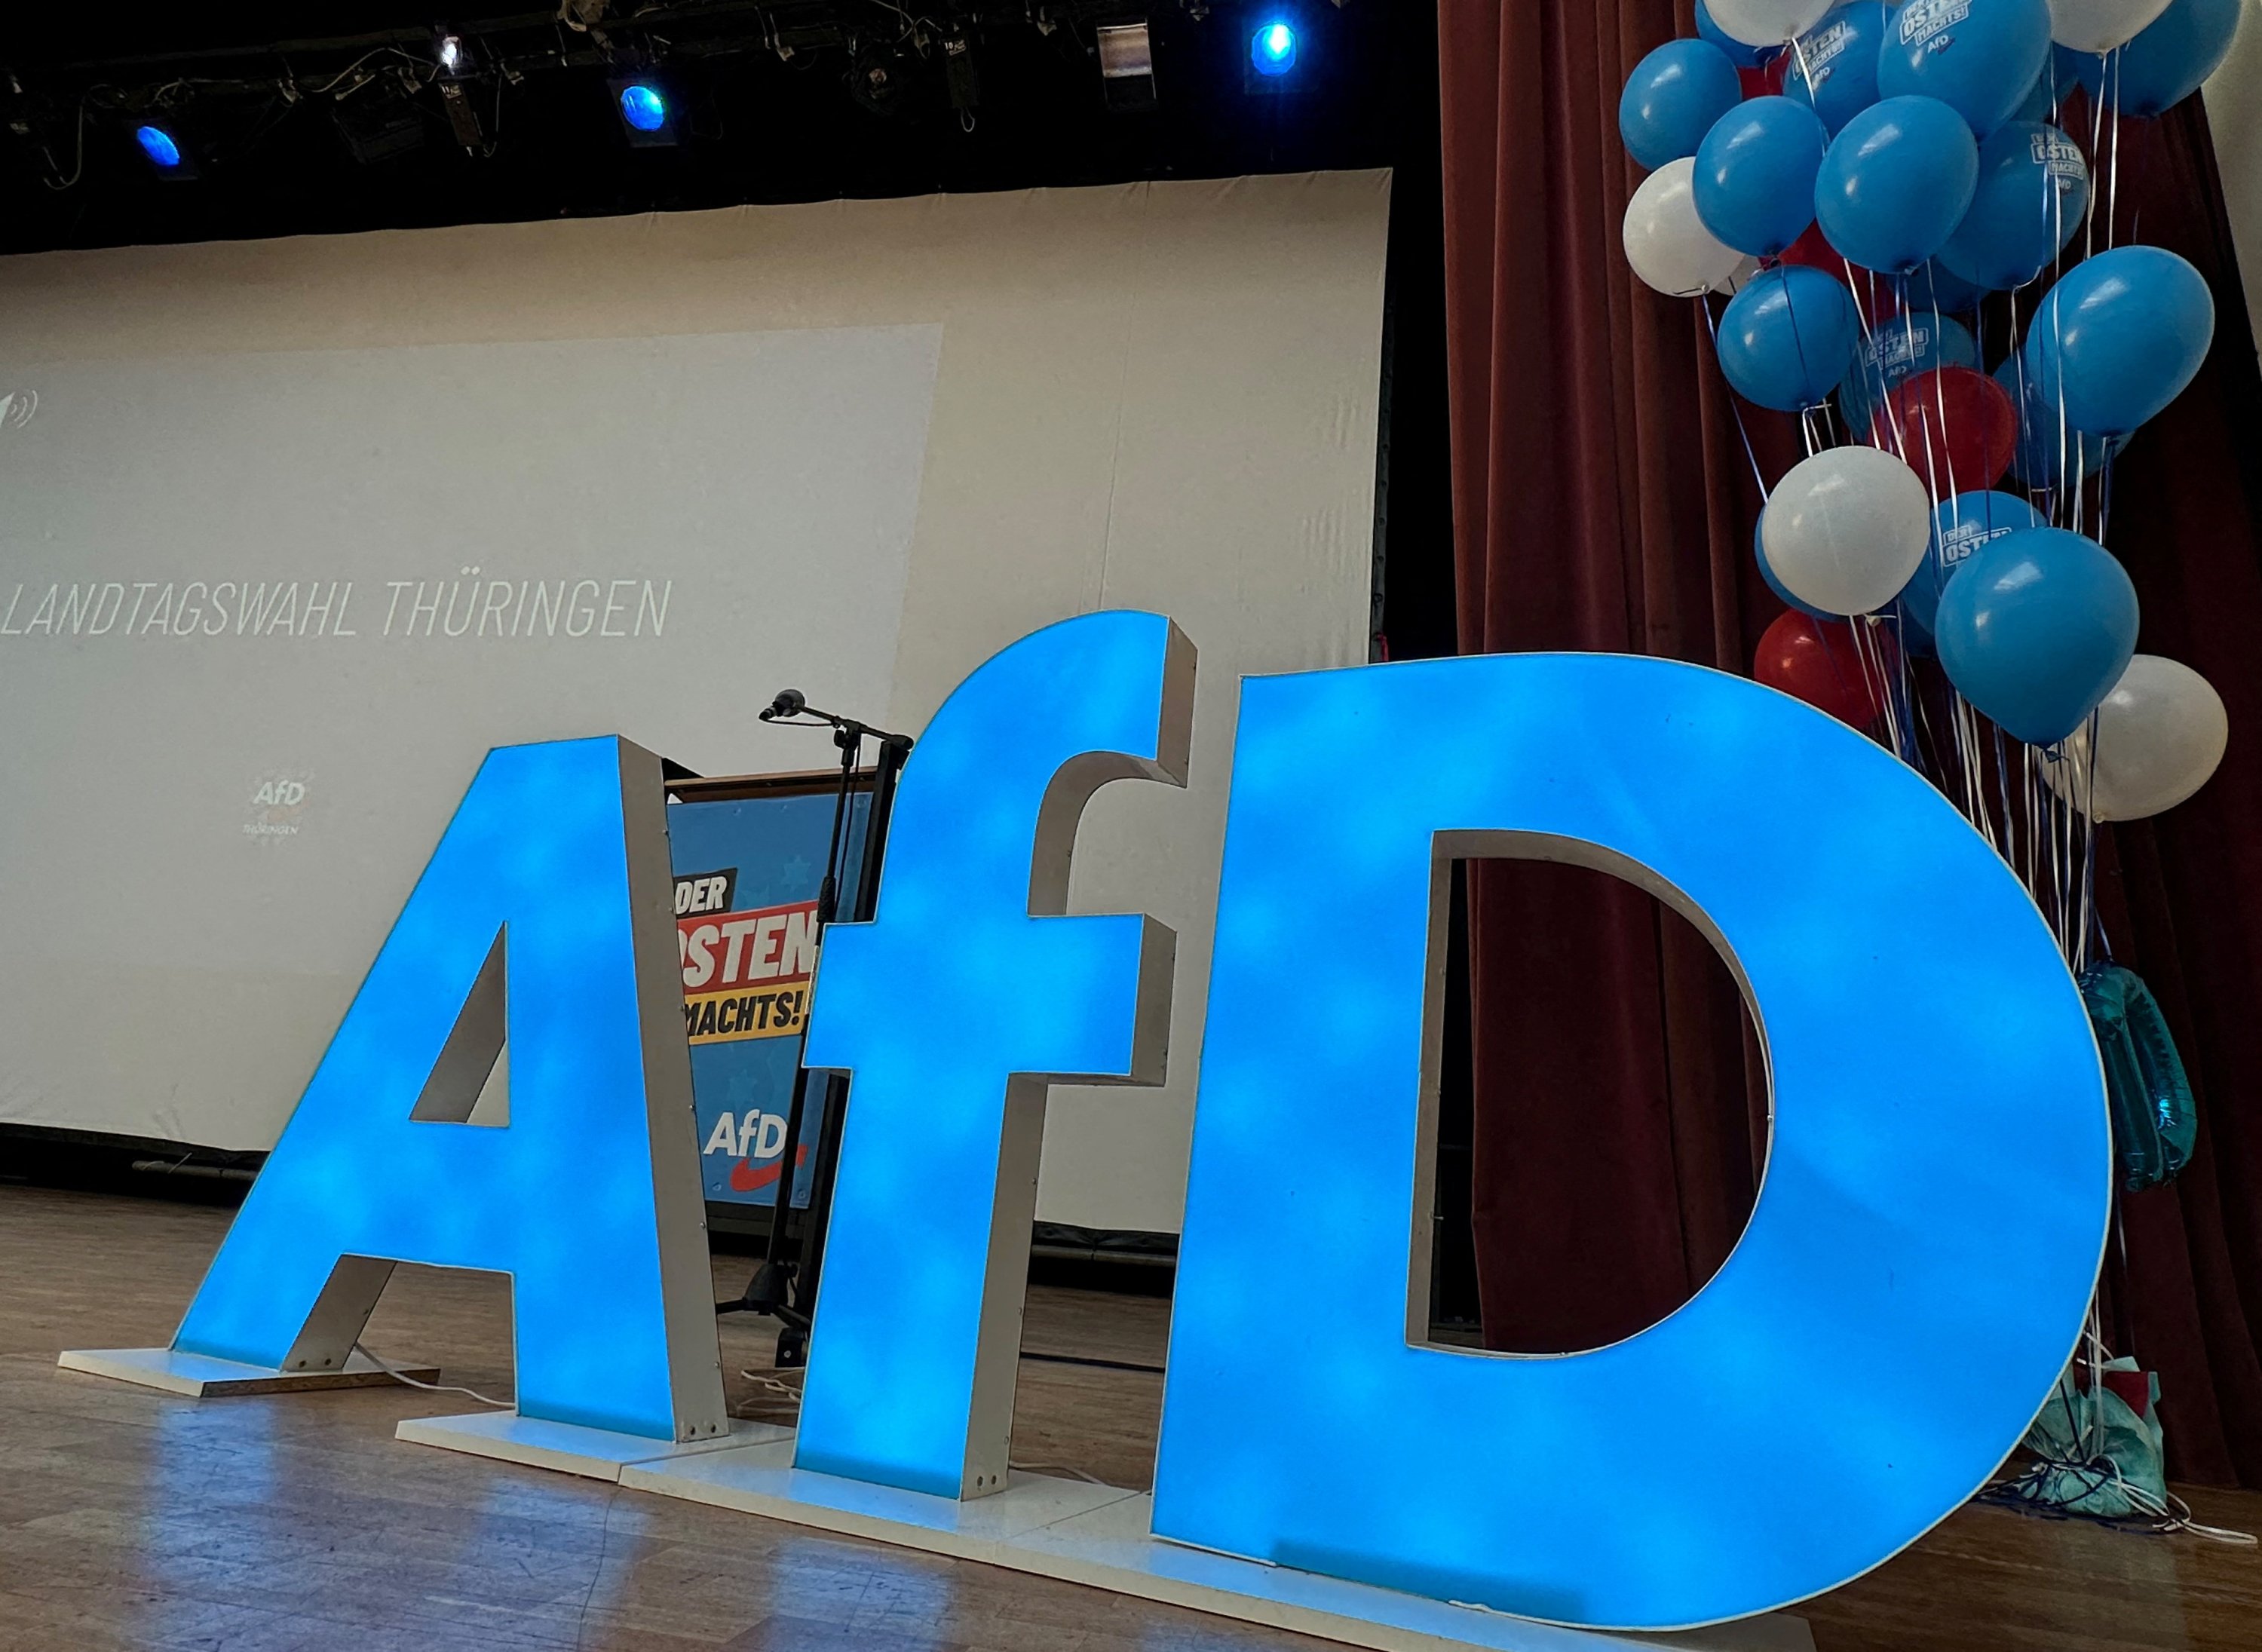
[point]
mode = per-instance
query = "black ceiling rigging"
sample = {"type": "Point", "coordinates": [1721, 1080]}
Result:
{"type": "Point", "coordinates": [396, 115]}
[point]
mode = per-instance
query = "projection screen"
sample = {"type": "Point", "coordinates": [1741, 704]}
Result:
{"type": "Point", "coordinates": [292, 533]}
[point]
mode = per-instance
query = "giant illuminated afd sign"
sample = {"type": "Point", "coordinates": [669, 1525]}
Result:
{"type": "Point", "coordinates": [1760, 1444]}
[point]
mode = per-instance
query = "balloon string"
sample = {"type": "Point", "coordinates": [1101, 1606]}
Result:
{"type": "Point", "coordinates": [1735, 405]}
{"type": "Point", "coordinates": [1908, 707]}
{"type": "Point", "coordinates": [1870, 651]}
{"type": "Point", "coordinates": [1940, 387]}
{"type": "Point", "coordinates": [2094, 923]}
{"type": "Point", "coordinates": [2112, 175]}
{"type": "Point", "coordinates": [2089, 756]}
{"type": "Point", "coordinates": [1932, 756]}
{"type": "Point", "coordinates": [2096, 148]}
{"type": "Point", "coordinates": [2041, 841]}
{"type": "Point", "coordinates": [1799, 51]}
{"type": "Point", "coordinates": [2003, 796]}
{"type": "Point", "coordinates": [2023, 390]}
{"type": "Point", "coordinates": [2104, 493]}
{"type": "Point", "coordinates": [2070, 460]}
{"type": "Point", "coordinates": [1868, 353]}
{"type": "Point", "coordinates": [1975, 771]}
{"type": "Point", "coordinates": [2047, 875]}
{"type": "Point", "coordinates": [1805, 425]}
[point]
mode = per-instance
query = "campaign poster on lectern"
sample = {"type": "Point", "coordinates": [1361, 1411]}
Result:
{"type": "Point", "coordinates": [747, 868]}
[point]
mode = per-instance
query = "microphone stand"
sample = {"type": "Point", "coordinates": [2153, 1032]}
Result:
{"type": "Point", "coordinates": [786, 1289]}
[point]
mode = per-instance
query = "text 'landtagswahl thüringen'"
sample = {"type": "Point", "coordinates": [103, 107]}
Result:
{"type": "Point", "coordinates": [469, 606]}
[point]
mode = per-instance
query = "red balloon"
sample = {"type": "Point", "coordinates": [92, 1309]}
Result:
{"type": "Point", "coordinates": [1876, 297]}
{"type": "Point", "coordinates": [1957, 428]}
{"type": "Point", "coordinates": [1814, 250]}
{"type": "Point", "coordinates": [1819, 661]}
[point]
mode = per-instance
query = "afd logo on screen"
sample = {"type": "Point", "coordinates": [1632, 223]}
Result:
{"type": "Point", "coordinates": [1758, 1446]}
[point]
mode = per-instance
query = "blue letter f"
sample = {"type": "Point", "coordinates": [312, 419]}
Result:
{"type": "Point", "coordinates": [953, 1010]}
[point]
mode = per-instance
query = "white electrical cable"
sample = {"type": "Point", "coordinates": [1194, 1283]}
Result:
{"type": "Point", "coordinates": [399, 1375]}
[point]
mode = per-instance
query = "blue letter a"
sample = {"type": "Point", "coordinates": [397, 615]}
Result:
{"type": "Point", "coordinates": [545, 913]}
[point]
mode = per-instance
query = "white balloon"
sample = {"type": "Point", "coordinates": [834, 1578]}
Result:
{"type": "Point", "coordinates": [1737, 279]}
{"type": "Point", "coordinates": [2098, 25]}
{"type": "Point", "coordinates": [1845, 529]}
{"type": "Point", "coordinates": [1666, 244]}
{"type": "Point", "coordinates": [2160, 734]}
{"type": "Point", "coordinates": [1767, 22]}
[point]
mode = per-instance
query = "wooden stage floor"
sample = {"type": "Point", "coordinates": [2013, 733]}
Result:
{"type": "Point", "coordinates": [130, 1518]}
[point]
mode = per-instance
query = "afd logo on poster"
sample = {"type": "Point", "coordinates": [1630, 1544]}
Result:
{"type": "Point", "coordinates": [746, 974]}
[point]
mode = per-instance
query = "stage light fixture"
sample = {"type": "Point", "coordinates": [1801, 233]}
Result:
{"type": "Point", "coordinates": [1126, 65]}
{"type": "Point", "coordinates": [961, 76]}
{"type": "Point", "coordinates": [160, 146]}
{"type": "Point", "coordinates": [1272, 49]}
{"type": "Point", "coordinates": [452, 52]}
{"type": "Point", "coordinates": [644, 108]}
{"type": "Point", "coordinates": [646, 112]}
{"type": "Point", "coordinates": [877, 76]}
{"type": "Point", "coordinates": [379, 126]}
{"type": "Point", "coordinates": [463, 119]}
{"type": "Point", "coordinates": [168, 150]}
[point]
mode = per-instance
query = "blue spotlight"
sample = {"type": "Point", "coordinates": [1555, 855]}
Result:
{"type": "Point", "coordinates": [643, 107]}
{"type": "Point", "coordinates": [1272, 48]}
{"type": "Point", "coordinates": [158, 145]}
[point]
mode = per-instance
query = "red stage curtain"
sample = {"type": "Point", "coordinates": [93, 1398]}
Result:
{"type": "Point", "coordinates": [1603, 500]}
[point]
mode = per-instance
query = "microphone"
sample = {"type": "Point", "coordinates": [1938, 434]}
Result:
{"type": "Point", "coordinates": [789, 703]}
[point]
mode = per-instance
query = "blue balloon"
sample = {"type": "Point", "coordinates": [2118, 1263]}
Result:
{"type": "Point", "coordinates": [2119, 337]}
{"type": "Point", "coordinates": [2040, 102]}
{"type": "Point", "coordinates": [1896, 351]}
{"type": "Point", "coordinates": [1759, 550]}
{"type": "Point", "coordinates": [2166, 63]}
{"type": "Point", "coordinates": [2035, 629]}
{"type": "Point", "coordinates": [1897, 181]}
{"type": "Point", "coordinates": [2034, 190]}
{"type": "Point", "coordinates": [2072, 71]}
{"type": "Point", "coordinates": [1839, 56]}
{"type": "Point", "coordinates": [1741, 55]}
{"type": "Point", "coordinates": [1932, 286]}
{"type": "Point", "coordinates": [2048, 450]}
{"type": "Point", "coordinates": [1960, 526]}
{"type": "Point", "coordinates": [1754, 183]}
{"type": "Point", "coordinates": [1673, 97]}
{"type": "Point", "coordinates": [1916, 639]}
{"type": "Point", "coordinates": [1785, 339]}
{"type": "Point", "coordinates": [1979, 57]}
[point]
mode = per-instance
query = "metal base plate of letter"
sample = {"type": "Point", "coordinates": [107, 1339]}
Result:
{"type": "Point", "coordinates": [595, 1454]}
{"type": "Point", "coordinates": [1097, 1536]}
{"type": "Point", "coordinates": [201, 1378]}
